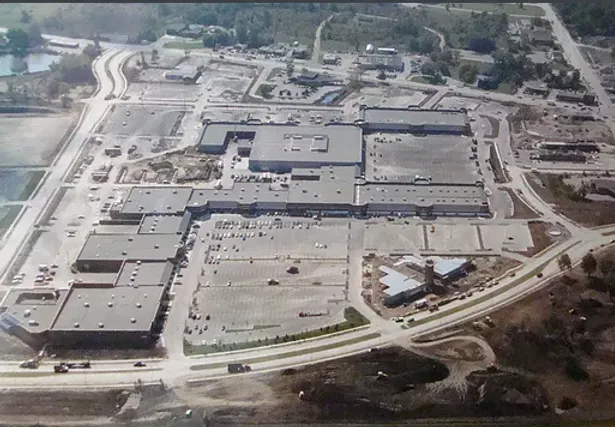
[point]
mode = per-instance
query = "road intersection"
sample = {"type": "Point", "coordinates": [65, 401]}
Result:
{"type": "Point", "coordinates": [177, 369]}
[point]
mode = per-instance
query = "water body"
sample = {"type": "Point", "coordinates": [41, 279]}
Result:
{"type": "Point", "coordinates": [37, 62]}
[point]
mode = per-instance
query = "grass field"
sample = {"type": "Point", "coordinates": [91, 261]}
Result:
{"type": "Point", "coordinates": [185, 45]}
{"type": "Point", "coordinates": [510, 8]}
{"type": "Point", "coordinates": [11, 12]}
{"type": "Point", "coordinates": [10, 214]}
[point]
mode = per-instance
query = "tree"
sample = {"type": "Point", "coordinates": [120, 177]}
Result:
{"type": "Point", "coordinates": [564, 262]}
{"type": "Point", "coordinates": [575, 82]}
{"type": "Point", "coordinates": [25, 17]}
{"type": "Point", "coordinates": [92, 51]}
{"type": "Point", "coordinates": [481, 45]}
{"type": "Point", "coordinates": [155, 55]}
{"type": "Point", "coordinates": [589, 264]}
{"type": "Point", "coordinates": [381, 75]}
{"type": "Point", "coordinates": [428, 68]}
{"type": "Point", "coordinates": [290, 68]}
{"type": "Point", "coordinates": [35, 38]}
{"type": "Point", "coordinates": [468, 73]}
{"type": "Point", "coordinates": [18, 42]}
{"type": "Point", "coordinates": [606, 266]}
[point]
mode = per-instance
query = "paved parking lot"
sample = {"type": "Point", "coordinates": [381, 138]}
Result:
{"type": "Point", "coordinates": [257, 273]}
{"type": "Point", "coordinates": [170, 91]}
{"type": "Point", "coordinates": [451, 238]}
{"type": "Point", "coordinates": [282, 239]}
{"type": "Point", "coordinates": [514, 237]}
{"type": "Point", "coordinates": [142, 120]}
{"type": "Point", "coordinates": [236, 293]}
{"type": "Point", "coordinates": [386, 238]}
{"type": "Point", "coordinates": [259, 312]}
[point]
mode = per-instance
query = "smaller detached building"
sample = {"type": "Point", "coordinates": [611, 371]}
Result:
{"type": "Point", "coordinates": [399, 288]}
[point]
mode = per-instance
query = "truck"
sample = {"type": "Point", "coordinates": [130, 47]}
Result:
{"type": "Point", "coordinates": [238, 368]}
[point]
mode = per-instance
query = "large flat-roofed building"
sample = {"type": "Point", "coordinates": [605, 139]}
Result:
{"type": "Point", "coordinates": [105, 253]}
{"type": "Point", "coordinates": [377, 119]}
{"type": "Point", "coordinates": [242, 197]}
{"type": "Point", "coordinates": [423, 200]}
{"type": "Point", "coordinates": [30, 313]}
{"type": "Point", "coordinates": [326, 191]}
{"type": "Point", "coordinates": [113, 316]}
{"type": "Point", "coordinates": [122, 312]}
{"type": "Point", "coordinates": [152, 200]}
{"type": "Point", "coordinates": [281, 147]}
{"type": "Point", "coordinates": [165, 224]}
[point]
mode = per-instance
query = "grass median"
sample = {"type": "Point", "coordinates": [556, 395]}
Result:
{"type": "Point", "coordinates": [353, 319]}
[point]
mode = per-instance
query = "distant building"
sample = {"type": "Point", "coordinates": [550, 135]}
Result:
{"type": "Point", "coordinates": [537, 88]}
{"type": "Point", "coordinates": [559, 156]}
{"type": "Point", "coordinates": [445, 269]}
{"type": "Point", "coordinates": [581, 96]}
{"type": "Point", "coordinates": [301, 52]}
{"type": "Point", "coordinates": [538, 37]}
{"type": "Point", "coordinates": [175, 29]}
{"type": "Point", "coordinates": [376, 119]}
{"type": "Point", "coordinates": [184, 76]}
{"type": "Point", "coordinates": [386, 51]}
{"type": "Point", "coordinates": [487, 82]}
{"type": "Point", "coordinates": [391, 63]}
{"type": "Point", "coordinates": [585, 146]}
{"type": "Point", "coordinates": [313, 79]}
{"type": "Point", "coordinates": [330, 59]}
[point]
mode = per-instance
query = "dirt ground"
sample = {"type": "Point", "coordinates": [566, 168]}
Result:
{"type": "Point", "coordinates": [180, 167]}
{"type": "Point", "coordinates": [590, 213]}
{"type": "Point", "coordinates": [542, 240]}
{"type": "Point", "coordinates": [351, 390]}
{"type": "Point", "coordinates": [520, 209]}
{"type": "Point", "coordinates": [564, 337]}
{"type": "Point", "coordinates": [530, 125]}
{"type": "Point", "coordinates": [495, 127]}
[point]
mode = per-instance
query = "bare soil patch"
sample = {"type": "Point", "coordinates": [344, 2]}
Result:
{"type": "Point", "coordinates": [564, 337]}
{"type": "Point", "coordinates": [520, 209]}
{"type": "Point", "coordinates": [590, 213]}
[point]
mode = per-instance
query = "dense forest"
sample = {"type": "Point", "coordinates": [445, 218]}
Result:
{"type": "Point", "coordinates": [588, 19]}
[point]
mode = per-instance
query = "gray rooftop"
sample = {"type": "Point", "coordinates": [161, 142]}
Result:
{"type": "Point", "coordinates": [421, 194]}
{"type": "Point", "coordinates": [165, 224]}
{"type": "Point", "coordinates": [147, 200]}
{"type": "Point", "coordinates": [144, 274]}
{"type": "Point", "coordinates": [219, 134]}
{"type": "Point", "coordinates": [33, 309]}
{"type": "Point", "coordinates": [414, 117]}
{"type": "Point", "coordinates": [117, 247]}
{"type": "Point", "coordinates": [330, 144]}
{"type": "Point", "coordinates": [335, 185]}
{"type": "Point", "coordinates": [241, 193]}
{"type": "Point", "coordinates": [397, 282]}
{"type": "Point", "coordinates": [113, 308]}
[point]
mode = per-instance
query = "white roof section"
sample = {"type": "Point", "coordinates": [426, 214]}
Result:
{"type": "Point", "coordinates": [442, 266]}
{"type": "Point", "coordinates": [397, 282]}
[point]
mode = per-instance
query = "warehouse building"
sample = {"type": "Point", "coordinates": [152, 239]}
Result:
{"type": "Point", "coordinates": [282, 147]}
{"type": "Point", "coordinates": [128, 312]}
{"type": "Point", "coordinates": [582, 146]}
{"type": "Point", "coordinates": [387, 62]}
{"type": "Point", "coordinates": [377, 119]}
{"type": "Point", "coordinates": [577, 97]}
{"type": "Point", "coordinates": [184, 76]}
{"type": "Point", "coordinates": [152, 200]}
{"type": "Point", "coordinates": [105, 253]}
{"type": "Point", "coordinates": [165, 224]}
{"type": "Point", "coordinates": [422, 200]}
{"type": "Point", "coordinates": [313, 79]}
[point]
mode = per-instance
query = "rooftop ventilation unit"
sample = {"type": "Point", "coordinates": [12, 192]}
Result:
{"type": "Point", "coordinates": [101, 325]}
{"type": "Point", "coordinates": [76, 324]}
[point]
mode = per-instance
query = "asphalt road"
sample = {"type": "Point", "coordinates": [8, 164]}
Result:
{"type": "Point", "coordinates": [176, 369]}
